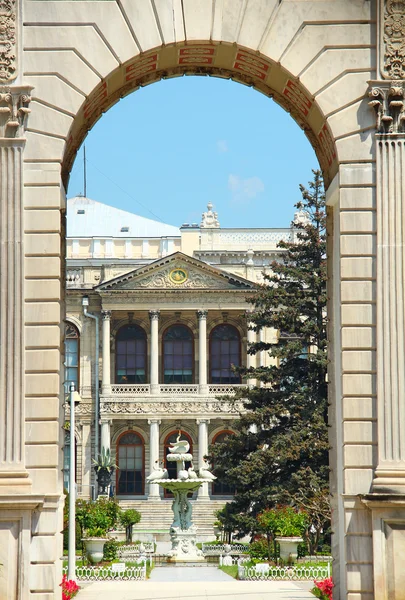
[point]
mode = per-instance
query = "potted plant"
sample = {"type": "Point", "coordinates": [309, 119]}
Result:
{"type": "Point", "coordinates": [104, 468]}
{"type": "Point", "coordinates": [285, 525]}
{"type": "Point", "coordinates": [96, 519]}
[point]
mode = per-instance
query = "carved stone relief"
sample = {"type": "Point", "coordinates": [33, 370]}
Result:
{"type": "Point", "coordinates": [14, 110]}
{"type": "Point", "coordinates": [389, 106]}
{"type": "Point", "coordinates": [393, 39]}
{"type": "Point", "coordinates": [8, 61]}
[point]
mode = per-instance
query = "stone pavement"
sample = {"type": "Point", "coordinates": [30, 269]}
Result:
{"type": "Point", "coordinates": [209, 583]}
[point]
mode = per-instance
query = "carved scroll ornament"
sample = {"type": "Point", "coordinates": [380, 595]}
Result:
{"type": "Point", "coordinates": [8, 66]}
{"type": "Point", "coordinates": [389, 106]}
{"type": "Point", "coordinates": [394, 39]}
{"type": "Point", "coordinates": [14, 110]}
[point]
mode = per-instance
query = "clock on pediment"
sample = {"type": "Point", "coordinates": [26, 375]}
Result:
{"type": "Point", "coordinates": [178, 276]}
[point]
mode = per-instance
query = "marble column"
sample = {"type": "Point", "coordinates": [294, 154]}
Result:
{"type": "Point", "coordinates": [250, 358]}
{"type": "Point", "coordinates": [106, 353]}
{"type": "Point", "coordinates": [202, 351]}
{"type": "Point", "coordinates": [154, 490]}
{"type": "Point", "coordinates": [388, 101]}
{"type": "Point", "coordinates": [106, 435]}
{"type": "Point", "coordinates": [202, 451]}
{"type": "Point", "coordinates": [154, 351]}
{"type": "Point", "coordinates": [13, 114]}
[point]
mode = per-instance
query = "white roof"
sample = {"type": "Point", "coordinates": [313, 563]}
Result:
{"type": "Point", "coordinates": [100, 220]}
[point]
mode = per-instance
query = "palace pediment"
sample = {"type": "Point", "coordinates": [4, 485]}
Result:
{"type": "Point", "coordinates": [176, 272]}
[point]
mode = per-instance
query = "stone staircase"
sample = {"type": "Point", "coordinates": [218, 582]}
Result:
{"type": "Point", "coordinates": [158, 516]}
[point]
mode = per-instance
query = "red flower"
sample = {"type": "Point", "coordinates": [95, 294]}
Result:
{"type": "Point", "coordinates": [69, 588]}
{"type": "Point", "coordinates": [325, 586]}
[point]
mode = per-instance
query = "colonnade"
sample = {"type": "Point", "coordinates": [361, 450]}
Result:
{"type": "Point", "coordinates": [154, 316]}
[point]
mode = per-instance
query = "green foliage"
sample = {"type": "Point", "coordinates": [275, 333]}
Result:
{"type": "Point", "coordinates": [284, 521]}
{"type": "Point", "coordinates": [130, 517]}
{"type": "Point", "coordinates": [96, 518]}
{"type": "Point", "coordinates": [261, 550]}
{"type": "Point", "coordinates": [279, 453]}
{"type": "Point", "coordinates": [110, 550]}
{"type": "Point", "coordinates": [232, 571]}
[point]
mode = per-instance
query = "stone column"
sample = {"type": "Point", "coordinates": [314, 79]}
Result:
{"type": "Point", "coordinates": [106, 435]}
{"type": "Point", "coordinates": [154, 490]}
{"type": "Point", "coordinates": [202, 451]}
{"type": "Point", "coordinates": [388, 100]}
{"type": "Point", "coordinates": [202, 351]}
{"type": "Point", "coordinates": [154, 351]}
{"type": "Point", "coordinates": [106, 353]}
{"type": "Point", "coordinates": [13, 114]}
{"type": "Point", "coordinates": [250, 358]}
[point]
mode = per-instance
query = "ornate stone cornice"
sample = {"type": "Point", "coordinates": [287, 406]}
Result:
{"type": "Point", "coordinates": [8, 43]}
{"type": "Point", "coordinates": [14, 110]}
{"type": "Point", "coordinates": [202, 314]}
{"type": "Point", "coordinates": [388, 102]}
{"type": "Point", "coordinates": [154, 315]}
{"type": "Point", "coordinates": [393, 39]}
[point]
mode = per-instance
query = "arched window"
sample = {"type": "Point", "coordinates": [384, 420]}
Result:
{"type": "Point", "coordinates": [220, 488]}
{"type": "Point", "coordinates": [130, 355]}
{"type": "Point", "coordinates": [131, 464]}
{"type": "Point", "coordinates": [178, 355]}
{"type": "Point", "coordinates": [224, 352]}
{"type": "Point", "coordinates": [71, 356]}
{"type": "Point", "coordinates": [172, 466]}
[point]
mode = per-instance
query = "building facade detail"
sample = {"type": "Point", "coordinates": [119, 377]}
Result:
{"type": "Point", "coordinates": [8, 41]}
{"type": "Point", "coordinates": [388, 102]}
{"type": "Point", "coordinates": [393, 41]}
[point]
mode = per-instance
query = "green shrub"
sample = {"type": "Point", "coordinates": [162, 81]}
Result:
{"type": "Point", "coordinates": [96, 518]}
{"type": "Point", "coordinates": [110, 550]}
{"type": "Point", "coordinates": [259, 549]}
{"type": "Point", "coordinates": [128, 518]}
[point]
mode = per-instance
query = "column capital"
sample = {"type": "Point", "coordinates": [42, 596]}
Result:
{"type": "Point", "coordinates": [202, 421]}
{"type": "Point", "coordinates": [151, 421]}
{"type": "Point", "coordinates": [106, 314]}
{"type": "Point", "coordinates": [387, 99]}
{"type": "Point", "coordinates": [154, 315]}
{"type": "Point", "coordinates": [202, 314]}
{"type": "Point", "coordinates": [14, 111]}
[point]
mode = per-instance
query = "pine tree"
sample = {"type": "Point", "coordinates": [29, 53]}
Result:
{"type": "Point", "coordinates": [279, 453]}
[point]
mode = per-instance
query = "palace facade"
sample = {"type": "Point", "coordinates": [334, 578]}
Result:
{"type": "Point", "coordinates": [156, 317]}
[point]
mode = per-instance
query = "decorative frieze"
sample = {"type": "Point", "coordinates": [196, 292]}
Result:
{"type": "Point", "coordinates": [388, 103]}
{"type": "Point", "coordinates": [14, 109]}
{"type": "Point", "coordinates": [8, 42]}
{"type": "Point", "coordinates": [393, 39]}
{"type": "Point", "coordinates": [186, 407]}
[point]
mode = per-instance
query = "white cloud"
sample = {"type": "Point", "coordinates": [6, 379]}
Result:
{"type": "Point", "coordinates": [244, 190]}
{"type": "Point", "coordinates": [222, 146]}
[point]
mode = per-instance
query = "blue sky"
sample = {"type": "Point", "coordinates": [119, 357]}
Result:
{"type": "Point", "coordinates": [167, 149]}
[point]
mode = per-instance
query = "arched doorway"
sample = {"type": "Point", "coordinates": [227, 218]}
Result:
{"type": "Point", "coordinates": [316, 59]}
{"type": "Point", "coordinates": [130, 476]}
{"type": "Point", "coordinates": [221, 488]}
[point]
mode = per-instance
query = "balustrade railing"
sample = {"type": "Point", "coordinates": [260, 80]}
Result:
{"type": "Point", "coordinates": [264, 571]}
{"type": "Point", "coordinates": [89, 573]}
{"type": "Point", "coordinates": [218, 389]}
{"type": "Point", "coordinates": [178, 389]}
{"type": "Point", "coordinates": [219, 549]}
{"type": "Point", "coordinates": [140, 389]}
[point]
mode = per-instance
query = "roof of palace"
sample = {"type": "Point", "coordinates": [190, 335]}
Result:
{"type": "Point", "coordinates": [88, 218]}
{"type": "Point", "coordinates": [178, 272]}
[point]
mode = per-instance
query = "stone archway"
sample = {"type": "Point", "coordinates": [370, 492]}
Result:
{"type": "Point", "coordinates": [67, 63]}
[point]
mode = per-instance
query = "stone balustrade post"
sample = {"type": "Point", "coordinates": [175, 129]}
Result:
{"type": "Point", "coordinates": [154, 351]}
{"type": "Point", "coordinates": [106, 352]}
{"type": "Point", "coordinates": [202, 351]}
{"type": "Point", "coordinates": [154, 489]}
{"type": "Point", "coordinates": [202, 451]}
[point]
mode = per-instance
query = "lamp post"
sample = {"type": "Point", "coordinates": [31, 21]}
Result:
{"type": "Point", "coordinates": [73, 399]}
{"type": "Point", "coordinates": [85, 304]}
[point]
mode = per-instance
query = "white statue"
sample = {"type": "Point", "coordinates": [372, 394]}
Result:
{"type": "Point", "coordinates": [179, 446]}
{"type": "Point", "coordinates": [205, 472]}
{"type": "Point", "coordinates": [191, 473]}
{"type": "Point", "coordinates": [209, 218]}
{"type": "Point", "coordinates": [158, 473]}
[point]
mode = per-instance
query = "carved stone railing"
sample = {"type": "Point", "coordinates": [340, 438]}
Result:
{"type": "Point", "coordinates": [140, 389]}
{"type": "Point", "coordinates": [223, 389]}
{"type": "Point", "coordinates": [178, 389]}
{"type": "Point", "coordinates": [74, 277]}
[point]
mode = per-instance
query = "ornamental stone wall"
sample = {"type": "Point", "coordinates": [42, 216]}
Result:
{"type": "Point", "coordinates": [61, 65]}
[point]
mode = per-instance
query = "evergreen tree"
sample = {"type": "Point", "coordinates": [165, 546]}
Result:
{"type": "Point", "coordinates": [280, 449]}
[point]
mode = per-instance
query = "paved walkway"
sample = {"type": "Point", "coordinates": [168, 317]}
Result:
{"type": "Point", "coordinates": [207, 583]}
